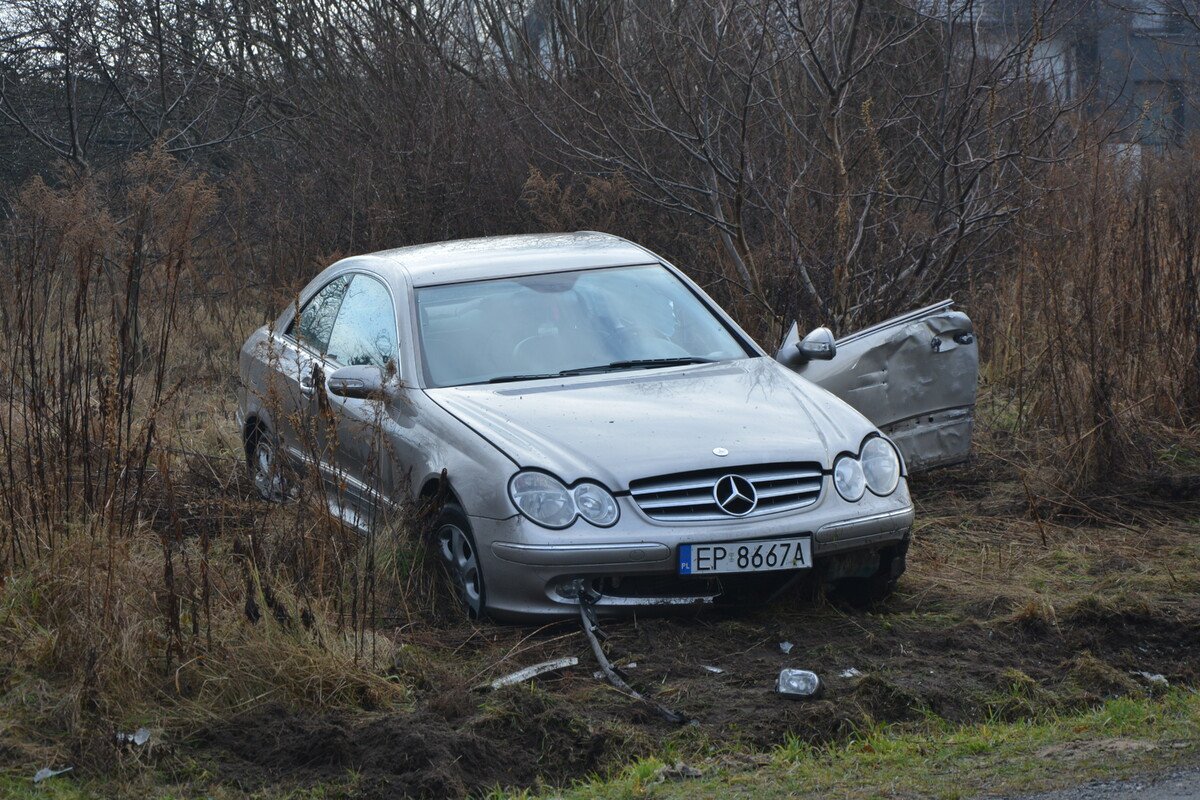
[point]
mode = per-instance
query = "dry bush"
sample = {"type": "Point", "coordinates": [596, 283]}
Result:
{"type": "Point", "coordinates": [140, 579]}
{"type": "Point", "coordinates": [1092, 358]}
{"type": "Point", "coordinates": [92, 307]}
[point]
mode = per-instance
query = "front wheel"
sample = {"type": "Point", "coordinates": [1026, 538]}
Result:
{"type": "Point", "coordinates": [864, 592]}
{"type": "Point", "coordinates": [266, 472]}
{"type": "Point", "coordinates": [456, 546]}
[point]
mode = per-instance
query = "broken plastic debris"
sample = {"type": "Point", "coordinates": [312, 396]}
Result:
{"type": "Point", "coordinates": [712, 669]}
{"type": "Point", "coordinates": [798, 683]}
{"type": "Point", "coordinates": [785, 647]}
{"type": "Point", "coordinates": [533, 671]}
{"type": "Point", "coordinates": [138, 737]}
{"type": "Point", "coordinates": [591, 629]}
{"type": "Point", "coordinates": [45, 773]}
{"type": "Point", "coordinates": [850, 673]}
{"type": "Point", "coordinates": [1152, 677]}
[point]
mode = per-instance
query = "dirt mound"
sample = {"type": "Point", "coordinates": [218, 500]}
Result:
{"type": "Point", "coordinates": [524, 738]}
{"type": "Point", "coordinates": [883, 667]}
{"type": "Point", "coordinates": [947, 647]}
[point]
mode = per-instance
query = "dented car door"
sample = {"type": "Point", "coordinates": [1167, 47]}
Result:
{"type": "Point", "coordinates": [914, 376]}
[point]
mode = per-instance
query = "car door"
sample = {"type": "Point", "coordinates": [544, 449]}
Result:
{"type": "Point", "coordinates": [913, 376]}
{"type": "Point", "coordinates": [365, 450]}
{"type": "Point", "coordinates": [304, 434]}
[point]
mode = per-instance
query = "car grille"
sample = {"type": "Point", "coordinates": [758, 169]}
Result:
{"type": "Point", "coordinates": [689, 496]}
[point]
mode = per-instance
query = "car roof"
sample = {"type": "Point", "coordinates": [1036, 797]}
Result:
{"type": "Point", "coordinates": [501, 256]}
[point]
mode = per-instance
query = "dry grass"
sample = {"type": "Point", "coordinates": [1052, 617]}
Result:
{"type": "Point", "coordinates": [141, 581]}
{"type": "Point", "coordinates": [979, 545]}
{"type": "Point", "coordinates": [1092, 339]}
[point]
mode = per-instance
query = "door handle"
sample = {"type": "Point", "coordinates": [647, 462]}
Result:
{"type": "Point", "coordinates": [308, 376]}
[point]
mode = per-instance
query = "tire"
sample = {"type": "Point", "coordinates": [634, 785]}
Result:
{"type": "Point", "coordinates": [874, 589]}
{"type": "Point", "coordinates": [263, 466]}
{"type": "Point", "coordinates": [456, 548]}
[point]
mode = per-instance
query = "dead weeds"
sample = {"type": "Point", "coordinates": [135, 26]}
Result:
{"type": "Point", "coordinates": [990, 623]}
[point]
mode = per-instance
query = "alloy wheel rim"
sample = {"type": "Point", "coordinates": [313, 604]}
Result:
{"type": "Point", "coordinates": [266, 477]}
{"type": "Point", "coordinates": [459, 556]}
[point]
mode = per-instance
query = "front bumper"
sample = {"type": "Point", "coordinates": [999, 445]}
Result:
{"type": "Point", "coordinates": [530, 571]}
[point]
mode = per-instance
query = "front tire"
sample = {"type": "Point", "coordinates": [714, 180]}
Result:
{"type": "Point", "coordinates": [456, 547]}
{"type": "Point", "coordinates": [874, 589]}
{"type": "Point", "coordinates": [264, 467]}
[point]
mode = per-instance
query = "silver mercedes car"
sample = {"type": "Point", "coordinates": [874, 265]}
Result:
{"type": "Point", "coordinates": [589, 421]}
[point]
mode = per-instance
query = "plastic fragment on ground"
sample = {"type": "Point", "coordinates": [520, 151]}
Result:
{"type": "Point", "coordinates": [46, 773]}
{"type": "Point", "coordinates": [533, 671]}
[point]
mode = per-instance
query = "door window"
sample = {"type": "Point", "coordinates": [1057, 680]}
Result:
{"type": "Point", "coordinates": [365, 329]}
{"type": "Point", "coordinates": [315, 322]}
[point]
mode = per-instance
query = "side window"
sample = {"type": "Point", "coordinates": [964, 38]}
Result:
{"type": "Point", "coordinates": [313, 326]}
{"type": "Point", "coordinates": [365, 330]}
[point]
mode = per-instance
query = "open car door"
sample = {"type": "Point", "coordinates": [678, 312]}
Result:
{"type": "Point", "coordinates": [914, 376]}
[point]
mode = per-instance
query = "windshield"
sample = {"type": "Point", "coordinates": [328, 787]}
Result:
{"type": "Point", "coordinates": [563, 323]}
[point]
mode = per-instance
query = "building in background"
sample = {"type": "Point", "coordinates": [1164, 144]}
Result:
{"type": "Point", "coordinates": [1133, 63]}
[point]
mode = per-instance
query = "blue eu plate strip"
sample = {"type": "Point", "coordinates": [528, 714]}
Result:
{"type": "Point", "coordinates": [685, 559]}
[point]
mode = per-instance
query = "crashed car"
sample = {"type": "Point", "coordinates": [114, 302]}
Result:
{"type": "Point", "coordinates": [592, 423]}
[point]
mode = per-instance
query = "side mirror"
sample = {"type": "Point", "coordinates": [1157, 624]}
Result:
{"type": "Point", "coordinates": [363, 382]}
{"type": "Point", "coordinates": [818, 345]}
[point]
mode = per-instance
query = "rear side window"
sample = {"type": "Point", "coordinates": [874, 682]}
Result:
{"type": "Point", "coordinates": [365, 330]}
{"type": "Point", "coordinates": [315, 323]}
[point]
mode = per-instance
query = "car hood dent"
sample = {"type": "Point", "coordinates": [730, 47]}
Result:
{"type": "Point", "coordinates": [618, 427]}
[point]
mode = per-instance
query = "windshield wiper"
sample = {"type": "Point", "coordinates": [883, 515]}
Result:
{"type": "Point", "coordinates": [533, 376]}
{"type": "Point", "coordinates": [637, 363]}
{"type": "Point", "coordinates": [660, 362]}
{"type": "Point", "coordinates": [612, 365]}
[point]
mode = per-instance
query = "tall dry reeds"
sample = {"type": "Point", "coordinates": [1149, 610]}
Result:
{"type": "Point", "coordinates": [1092, 334]}
{"type": "Point", "coordinates": [88, 319]}
{"type": "Point", "coordinates": [138, 573]}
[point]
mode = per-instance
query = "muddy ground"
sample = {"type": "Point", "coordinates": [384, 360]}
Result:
{"type": "Point", "coordinates": [1003, 614]}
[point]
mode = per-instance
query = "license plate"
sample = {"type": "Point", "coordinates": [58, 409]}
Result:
{"type": "Point", "coordinates": [752, 556]}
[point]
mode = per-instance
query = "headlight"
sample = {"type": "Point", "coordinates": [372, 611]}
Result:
{"type": "Point", "coordinates": [880, 465]}
{"type": "Point", "coordinates": [595, 504]}
{"type": "Point", "coordinates": [543, 499]}
{"type": "Point", "coordinates": [848, 478]}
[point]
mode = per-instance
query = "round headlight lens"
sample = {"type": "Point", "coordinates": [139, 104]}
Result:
{"type": "Point", "coordinates": [880, 465]}
{"type": "Point", "coordinates": [595, 504]}
{"type": "Point", "coordinates": [543, 499]}
{"type": "Point", "coordinates": [848, 478]}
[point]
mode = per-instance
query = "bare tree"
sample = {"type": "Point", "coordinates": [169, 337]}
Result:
{"type": "Point", "coordinates": [841, 158]}
{"type": "Point", "coordinates": [850, 155]}
{"type": "Point", "coordinates": [86, 79]}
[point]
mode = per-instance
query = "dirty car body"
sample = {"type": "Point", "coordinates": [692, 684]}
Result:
{"type": "Point", "coordinates": [594, 423]}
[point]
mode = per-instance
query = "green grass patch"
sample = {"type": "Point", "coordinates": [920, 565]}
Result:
{"type": "Point", "coordinates": [1120, 737]}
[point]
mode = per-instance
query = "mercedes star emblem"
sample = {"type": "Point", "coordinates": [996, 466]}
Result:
{"type": "Point", "coordinates": [735, 495]}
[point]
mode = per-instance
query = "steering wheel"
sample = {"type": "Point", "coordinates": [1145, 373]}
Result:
{"type": "Point", "coordinates": [521, 349]}
{"type": "Point", "coordinates": [649, 338]}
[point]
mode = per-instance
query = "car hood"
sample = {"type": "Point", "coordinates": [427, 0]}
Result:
{"type": "Point", "coordinates": [618, 427]}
